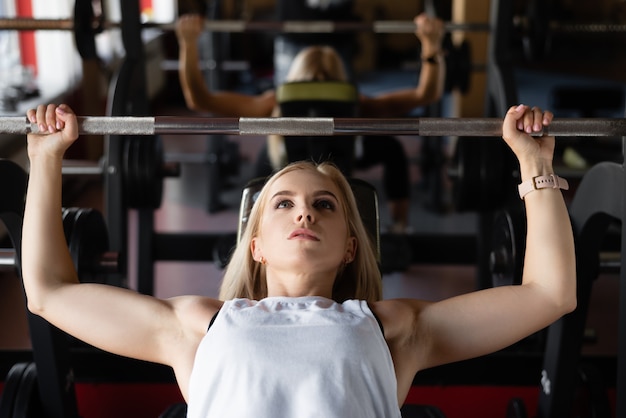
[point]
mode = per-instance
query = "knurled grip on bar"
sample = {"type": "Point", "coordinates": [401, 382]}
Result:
{"type": "Point", "coordinates": [92, 125]}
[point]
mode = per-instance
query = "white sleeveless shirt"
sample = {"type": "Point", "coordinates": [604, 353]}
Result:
{"type": "Point", "coordinates": [293, 357]}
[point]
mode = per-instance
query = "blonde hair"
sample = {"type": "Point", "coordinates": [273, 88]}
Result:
{"type": "Point", "coordinates": [361, 279]}
{"type": "Point", "coordinates": [313, 63]}
{"type": "Point", "coordinates": [317, 63]}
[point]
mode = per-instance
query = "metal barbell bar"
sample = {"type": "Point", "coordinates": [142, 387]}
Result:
{"type": "Point", "coordinates": [289, 26]}
{"type": "Point", "coordinates": [307, 26]}
{"type": "Point", "coordinates": [298, 126]}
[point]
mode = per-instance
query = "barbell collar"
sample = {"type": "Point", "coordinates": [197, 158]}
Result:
{"type": "Point", "coordinates": [7, 259]}
{"type": "Point", "coordinates": [290, 126]}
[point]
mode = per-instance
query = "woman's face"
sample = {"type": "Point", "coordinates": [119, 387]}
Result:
{"type": "Point", "coordinates": [303, 225]}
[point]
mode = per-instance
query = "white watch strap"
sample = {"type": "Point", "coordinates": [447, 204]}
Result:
{"type": "Point", "coordinates": [542, 182]}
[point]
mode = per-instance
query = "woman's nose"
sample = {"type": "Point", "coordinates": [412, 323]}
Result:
{"type": "Point", "coordinates": [305, 214]}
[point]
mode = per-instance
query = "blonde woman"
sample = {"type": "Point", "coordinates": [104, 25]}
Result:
{"type": "Point", "coordinates": [300, 329]}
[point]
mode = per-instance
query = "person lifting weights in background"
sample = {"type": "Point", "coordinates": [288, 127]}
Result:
{"type": "Point", "coordinates": [323, 63]}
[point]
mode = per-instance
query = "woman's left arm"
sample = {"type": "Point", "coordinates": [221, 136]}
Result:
{"type": "Point", "coordinates": [485, 321]}
{"type": "Point", "coordinates": [431, 81]}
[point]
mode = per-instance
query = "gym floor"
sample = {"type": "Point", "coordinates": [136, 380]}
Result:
{"type": "Point", "coordinates": [184, 208]}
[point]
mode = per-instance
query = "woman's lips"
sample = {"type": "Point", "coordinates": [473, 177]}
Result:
{"type": "Point", "coordinates": [305, 234]}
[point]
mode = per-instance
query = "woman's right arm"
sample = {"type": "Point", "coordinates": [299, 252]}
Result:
{"type": "Point", "coordinates": [197, 95]}
{"type": "Point", "coordinates": [117, 320]}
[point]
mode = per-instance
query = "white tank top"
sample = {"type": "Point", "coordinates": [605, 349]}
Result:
{"type": "Point", "coordinates": [293, 357]}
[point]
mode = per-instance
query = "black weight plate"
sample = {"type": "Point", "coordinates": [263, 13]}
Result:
{"type": "Point", "coordinates": [127, 177]}
{"type": "Point", "coordinates": [140, 192]}
{"type": "Point", "coordinates": [421, 411]}
{"type": "Point", "coordinates": [150, 170]}
{"type": "Point", "coordinates": [132, 187]}
{"type": "Point", "coordinates": [178, 410]}
{"type": "Point", "coordinates": [508, 244]}
{"type": "Point", "coordinates": [11, 388]}
{"type": "Point", "coordinates": [14, 190]}
{"type": "Point", "coordinates": [490, 175]}
{"type": "Point", "coordinates": [89, 240]}
{"type": "Point", "coordinates": [591, 398]}
{"type": "Point", "coordinates": [156, 162]}
{"type": "Point", "coordinates": [516, 409]}
{"type": "Point", "coordinates": [69, 216]}
{"type": "Point", "coordinates": [27, 401]}
{"type": "Point", "coordinates": [465, 175]}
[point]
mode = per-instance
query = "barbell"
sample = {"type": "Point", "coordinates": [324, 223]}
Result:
{"type": "Point", "coordinates": [314, 126]}
{"type": "Point", "coordinates": [311, 26]}
{"type": "Point", "coordinates": [234, 26]}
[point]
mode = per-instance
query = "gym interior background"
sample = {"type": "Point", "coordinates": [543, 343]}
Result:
{"type": "Point", "coordinates": [566, 56]}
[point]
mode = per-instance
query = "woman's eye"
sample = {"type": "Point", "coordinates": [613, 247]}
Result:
{"type": "Point", "coordinates": [283, 204]}
{"type": "Point", "coordinates": [325, 204]}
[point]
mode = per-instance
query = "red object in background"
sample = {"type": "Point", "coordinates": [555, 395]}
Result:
{"type": "Point", "coordinates": [146, 7]}
{"type": "Point", "coordinates": [28, 50]}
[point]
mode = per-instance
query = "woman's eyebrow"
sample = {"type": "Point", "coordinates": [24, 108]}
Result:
{"type": "Point", "coordinates": [282, 193]}
{"type": "Point", "coordinates": [325, 193]}
{"type": "Point", "coordinates": [316, 194]}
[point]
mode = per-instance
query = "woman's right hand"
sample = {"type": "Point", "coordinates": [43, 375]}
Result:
{"type": "Point", "coordinates": [430, 32]}
{"type": "Point", "coordinates": [58, 129]}
{"type": "Point", "coordinates": [535, 153]}
{"type": "Point", "coordinates": [189, 27]}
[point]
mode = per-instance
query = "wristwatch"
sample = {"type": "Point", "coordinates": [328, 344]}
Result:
{"type": "Point", "coordinates": [433, 59]}
{"type": "Point", "coordinates": [542, 182]}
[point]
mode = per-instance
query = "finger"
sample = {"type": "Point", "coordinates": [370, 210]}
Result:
{"type": "Point", "coordinates": [61, 114]}
{"type": "Point", "coordinates": [537, 119]}
{"type": "Point", "coordinates": [529, 120]}
{"type": "Point", "coordinates": [513, 120]}
{"type": "Point", "coordinates": [51, 118]}
{"type": "Point", "coordinates": [31, 114]}
{"type": "Point", "coordinates": [41, 118]}
{"type": "Point", "coordinates": [547, 118]}
{"type": "Point", "coordinates": [517, 113]}
{"type": "Point", "coordinates": [68, 121]}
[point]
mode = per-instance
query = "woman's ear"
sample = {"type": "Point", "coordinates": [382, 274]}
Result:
{"type": "Point", "coordinates": [350, 250]}
{"type": "Point", "coordinates": [255, 249]}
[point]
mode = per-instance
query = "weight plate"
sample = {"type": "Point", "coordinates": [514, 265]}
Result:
{"type": "Point", "coordinates": [140, 192]}
{"type": "Point", "coordinates": [465, 174]}
{"type": "Point", "coordinates": [27, 400]}
{"type": "Point", "coordinates": [516, 409]}
{"type": "Point", "coordinates": [507, 254]}
{"type": "Point", "coordinates": [11, 388]}
{"type": "Point", "coordinates": [130, 188]}
{"type": "Point", "coordinates": [88, 241]}
{"type": "Point", "coordinates": [491, 178]}
{"type": "Point", "coordinates": [152, 162]}
{"type": "Point", "coordinates": [69, 216]}
{"type": "Point", "coordinates": [591, 398]}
